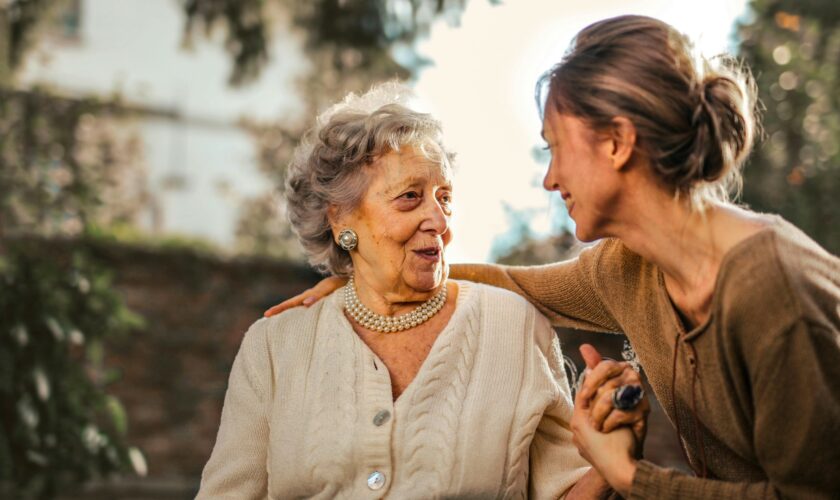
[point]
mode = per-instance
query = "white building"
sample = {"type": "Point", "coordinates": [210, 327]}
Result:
{"type": "Point", "coordinates": [200, 162]}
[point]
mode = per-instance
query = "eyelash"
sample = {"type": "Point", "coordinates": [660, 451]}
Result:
{"type": "Point", "coordinates": [448, 197]}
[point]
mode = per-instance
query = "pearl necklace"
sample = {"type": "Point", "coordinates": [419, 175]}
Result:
{"type": "Point", "coordinates": [390, 324]}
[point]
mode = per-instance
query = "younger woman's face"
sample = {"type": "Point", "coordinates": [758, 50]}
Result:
{"type": "Point", "coordinates": [581, 170]}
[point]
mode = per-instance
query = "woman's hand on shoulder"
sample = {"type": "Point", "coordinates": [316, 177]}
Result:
{"type": "Point", "coordinates": [308, 297]}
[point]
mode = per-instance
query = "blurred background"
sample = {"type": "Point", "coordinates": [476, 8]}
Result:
{"type": "Point", "coordinates": [143, 144]}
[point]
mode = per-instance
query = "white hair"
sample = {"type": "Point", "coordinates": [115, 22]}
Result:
{"type": "Point", "coordinates": [327, 166]}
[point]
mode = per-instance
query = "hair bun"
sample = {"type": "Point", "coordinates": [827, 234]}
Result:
{"type": "Point", "coordinates": [723, 125]}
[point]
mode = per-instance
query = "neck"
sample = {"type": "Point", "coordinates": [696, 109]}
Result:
{"type": "Point", "coordinates": [392, 300]}
{"type": "Point", "coordinates": [686, 245]}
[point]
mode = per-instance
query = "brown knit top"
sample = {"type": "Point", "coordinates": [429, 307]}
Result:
{"type": "Point", "coordinates": [754, 391]}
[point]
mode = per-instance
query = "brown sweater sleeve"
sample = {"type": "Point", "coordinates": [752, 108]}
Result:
{"type": "Point", "coordinates": [656, 482]}
{"type": "Point", "coordinates": [797, 424]}
{"type": "Point", "coordinates": [564, 291]}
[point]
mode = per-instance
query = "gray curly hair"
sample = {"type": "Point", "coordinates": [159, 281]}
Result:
{"type": "Point", "coordinates": [327, 168]}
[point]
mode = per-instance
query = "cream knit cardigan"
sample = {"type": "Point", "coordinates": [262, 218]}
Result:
{"type": "Point", "coordinates": [486, 416]}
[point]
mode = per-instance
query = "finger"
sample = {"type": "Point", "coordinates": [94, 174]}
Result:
{"type": "Point", "coordinates": [618, 418]}
{"type": "Point", "coordinates": [627, 417]}
{"type": "Point", "coordinates": [630, 376]}
{"type": "Point", "coordinates": [580, 408]}
{"type": "Point", "coordinates": [640, 427]}
{"type": "Point", "coordinates": [600, 409]}
{"type": "Point", "coordinates": [601, 403]}
{"type": "Point", "coordinates": [591, 356]}
{"type": "Point", "coordinates": [328, 286]}
{"type": "Point", "coordinates": [286, 304]}
{"type": "Point", "coordinates": [598, 376]}
{"type": "Point", "coordinates": [640, 431]}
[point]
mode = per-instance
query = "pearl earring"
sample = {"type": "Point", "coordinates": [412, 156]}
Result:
{"type": "Point", "coordinates": [348, 239]}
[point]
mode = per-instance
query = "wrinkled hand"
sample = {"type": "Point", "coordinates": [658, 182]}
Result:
{"type": "Point", "coordinates": [610, 452]}
{"type": "Point", "coordinates": [308, 297]}
{"type": "Point", "coordinates": [603, 377]}
{"type": "Point", "coordinates": [591, 486]}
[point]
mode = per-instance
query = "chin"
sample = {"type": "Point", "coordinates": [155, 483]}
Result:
{"type": "Point", "coordinates": [585, 235]}
{"type": "Point", "coordinates": [426, 281]}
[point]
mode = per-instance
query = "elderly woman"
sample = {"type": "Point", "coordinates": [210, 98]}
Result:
{"type": "Point", "coordinates": [402, 383]}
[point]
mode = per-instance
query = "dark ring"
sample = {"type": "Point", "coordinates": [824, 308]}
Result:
{"type": "Point", "coordinates": [627, 397]}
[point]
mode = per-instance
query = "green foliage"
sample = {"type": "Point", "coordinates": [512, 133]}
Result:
{"type": "Point", "coordinates": [64, 167]}
{"type": "Point", "coordinates": [129, 234]}
{"type": "Point", "coordinates": [353, 35]}
{"type": "Point", "coordinates": [793, 48]}
{"type": "Point", "coordinates": [246, 32]}
{"type": "Point", "coordinates": [57, 426]}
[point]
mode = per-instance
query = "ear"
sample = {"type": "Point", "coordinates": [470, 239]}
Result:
{"type": "Point", "coordinates": [623, 139]}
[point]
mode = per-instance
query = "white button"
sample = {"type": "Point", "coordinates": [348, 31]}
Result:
{"type": "Point", "coordinates": [376, 480]}
{"type": "Point", "coordinates": [381, 417]}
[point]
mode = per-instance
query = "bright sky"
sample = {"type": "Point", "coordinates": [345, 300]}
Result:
{"type": "Point", "coordinates": [481, 87]}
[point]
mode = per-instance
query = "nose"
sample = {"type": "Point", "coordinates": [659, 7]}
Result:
{"type": "Point", "coordinates": [550, 181]}
{"type": "Point", "coordinates": [436, 218]}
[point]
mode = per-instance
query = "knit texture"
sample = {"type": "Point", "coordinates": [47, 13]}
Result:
{"type": "Point", "coordinates": [756, 395]}
{"type": "Point", "coordinates": [486, 416]}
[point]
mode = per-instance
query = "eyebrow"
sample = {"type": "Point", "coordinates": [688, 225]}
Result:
{"type": "Point", "coordinates": [413, 181]}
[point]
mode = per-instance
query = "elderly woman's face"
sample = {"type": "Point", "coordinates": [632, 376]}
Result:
{"type": "Point", "coordinates": [403, 224]}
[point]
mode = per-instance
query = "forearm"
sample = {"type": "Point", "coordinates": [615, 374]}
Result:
{"type": "Point", "coordinates": [563, 292]}
{"type": "Point", "coordinates": [653, 482]}
{"type": "Point", "coordinates": [591, 485]}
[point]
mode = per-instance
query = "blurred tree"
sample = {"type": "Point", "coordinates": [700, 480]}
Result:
{"type": "Point", "coordinates": [355, 34]}
{"type": "Point", "coordinates": [793, 48]}
{"type": "Point", "coordinates": [64, 169]}
{"type": "Point", "coordinates": [65, 166]}
{"type": "Point", "coordinates": [57, 425]}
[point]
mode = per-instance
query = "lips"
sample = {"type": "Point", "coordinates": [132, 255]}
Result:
{"type": "Point", "coordinates": [567, 199]}
{"type": "Point", "coordinates": [432, 254]}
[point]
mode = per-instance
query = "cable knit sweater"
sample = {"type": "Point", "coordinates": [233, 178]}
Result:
{"type": "Point", "coordinates": [309, 410]}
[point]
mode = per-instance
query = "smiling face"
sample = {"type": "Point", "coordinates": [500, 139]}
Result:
{"type": "Point", "coordinates": [583, 171]}
{"type": "Point", "coordinates": [403, 226]}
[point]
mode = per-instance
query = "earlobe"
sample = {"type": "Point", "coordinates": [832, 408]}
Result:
{"type": "Point", "coordinates": [623, 140]}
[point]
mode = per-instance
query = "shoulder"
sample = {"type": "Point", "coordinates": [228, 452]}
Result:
{"type": "Point", "coordinates": [805, 264]}
{"type": "Point", "coordinates": [492, 300]}
{"type": "Point", "coordinates": [778, 277]}
{"type": "Point", "coordinates": [506, 312]}
{"type": "Point", "coordinates": [614, 264]}
{"type": "Point", "coordinates": [291, 328]}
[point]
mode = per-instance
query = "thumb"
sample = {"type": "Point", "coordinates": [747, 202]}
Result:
{"type": "Point", "coordinates": [591, 356]}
